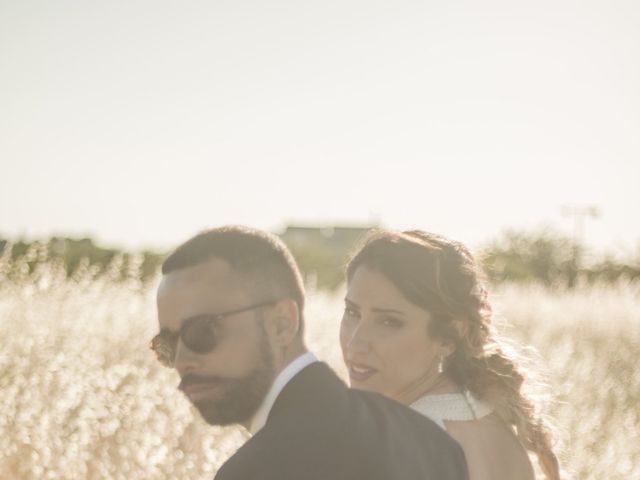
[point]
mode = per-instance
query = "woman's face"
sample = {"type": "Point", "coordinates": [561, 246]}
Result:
{"type": "Point", "coordinates": [385, 341]}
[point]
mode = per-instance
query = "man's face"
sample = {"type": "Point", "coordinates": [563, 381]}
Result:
{"type": "Point", "coordinates": [227, 384]}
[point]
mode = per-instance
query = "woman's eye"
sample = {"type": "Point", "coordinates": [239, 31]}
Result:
{"type": "Point", "coordinates": [350, 312]}
{"type": "Point", "coordinates": [391, 322]}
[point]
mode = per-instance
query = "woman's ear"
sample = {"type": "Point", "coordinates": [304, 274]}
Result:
{"type": "Point", "coordinates": [460, 328]}
{"type": "Point", "coordinates": [284, 322]}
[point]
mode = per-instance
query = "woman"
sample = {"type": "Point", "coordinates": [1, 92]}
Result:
{"type": "Point", "coordinates": [417, 328]}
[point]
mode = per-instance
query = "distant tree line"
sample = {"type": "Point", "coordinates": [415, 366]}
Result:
{"type": "Point", "coordinates": [550, 258]}
{"type": "Point", "coordinates": [74, 253]}
{"type": "Point", "coordinates": [541, 257]}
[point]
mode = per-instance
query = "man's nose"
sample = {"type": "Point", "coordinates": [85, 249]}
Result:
{"type": "Point", "coordinates": [186, 361]}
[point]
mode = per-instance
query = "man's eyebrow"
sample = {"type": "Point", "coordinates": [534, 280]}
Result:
{"type": "Point", "coordinates": [209, 316]}
{"type": "Point", "coordinates": [352, 304]}
{"type": "Point", "coordinates": [166, 331]}
{"type": "Point", "coordinates": [173, 332]}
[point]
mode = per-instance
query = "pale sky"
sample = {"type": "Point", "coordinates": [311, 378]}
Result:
{"type": "Point", "coordinates": [143, 122]}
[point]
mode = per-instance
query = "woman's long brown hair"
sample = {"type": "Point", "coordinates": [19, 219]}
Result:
{"type": "Point", "coordinates": [441, 276]}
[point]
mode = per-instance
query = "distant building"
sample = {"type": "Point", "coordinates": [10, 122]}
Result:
{"type": "Point", "coordinates": [323, 251]}
{"type": "Point", "coordinates": [334, 238]}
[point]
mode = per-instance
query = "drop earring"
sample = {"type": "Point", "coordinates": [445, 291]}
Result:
{"type": "Point", "coordinates": [440, 364]}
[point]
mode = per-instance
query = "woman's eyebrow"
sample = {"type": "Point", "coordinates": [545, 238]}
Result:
{"type": "Point", "coordinates": [352, 304]}
{"type": "Point", "coordinates": [388, 310]}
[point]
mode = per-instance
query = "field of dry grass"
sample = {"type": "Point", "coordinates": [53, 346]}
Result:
{"type": "Point", "coordinates": [82, 397]}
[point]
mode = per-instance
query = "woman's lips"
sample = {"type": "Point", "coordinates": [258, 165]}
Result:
{"type": "Point", "coordinates": [199, 391]}
{"type": "Point", "coordinates": [360, 373]}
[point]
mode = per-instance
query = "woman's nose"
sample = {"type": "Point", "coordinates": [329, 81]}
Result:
{"type": "Point", "coordinates": [359, 339]}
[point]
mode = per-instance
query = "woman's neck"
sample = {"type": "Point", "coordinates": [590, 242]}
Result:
{"type": "Point", "coordinates": [435, 386]}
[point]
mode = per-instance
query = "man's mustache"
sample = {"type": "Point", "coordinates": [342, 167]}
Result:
{"type": "Point", "coordinates": [191, 379]}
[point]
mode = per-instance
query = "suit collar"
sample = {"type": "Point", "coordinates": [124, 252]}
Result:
{"type": "Point", "coordinates": [284, 377]}
{"type": "Point", "coordinates": [310, 388]}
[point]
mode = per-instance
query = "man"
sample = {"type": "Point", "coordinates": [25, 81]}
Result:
{"type": "Point", "coordinates": [230, 308]}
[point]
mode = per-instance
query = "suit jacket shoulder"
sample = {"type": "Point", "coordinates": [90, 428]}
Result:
{"type": "Point", "coordinates": [319, 429]}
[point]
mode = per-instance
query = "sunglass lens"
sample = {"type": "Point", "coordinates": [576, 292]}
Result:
{"type": "Point", "coordinates": [199, 335]}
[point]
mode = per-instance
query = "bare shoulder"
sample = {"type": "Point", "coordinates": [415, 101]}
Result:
{"type": "Point", "coordinates": [492, 450]}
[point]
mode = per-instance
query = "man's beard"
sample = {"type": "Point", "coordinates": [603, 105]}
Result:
{"type": "Point", "coordinates": [241, 397]}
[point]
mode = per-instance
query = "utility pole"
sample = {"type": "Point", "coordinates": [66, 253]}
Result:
{"type": "Point", "coordinates": [579, 214]}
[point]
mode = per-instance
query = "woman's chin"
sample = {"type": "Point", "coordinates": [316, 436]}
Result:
{"type": "Point", "coordinates": [363, 385]}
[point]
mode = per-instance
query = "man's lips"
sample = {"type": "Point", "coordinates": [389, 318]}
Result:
{"type": "Point", "coordinates": [197, 387]}
{"type": "Point", "coordinates": [199, 391]}
{"type": "Point", "coordinates": [359, 372]}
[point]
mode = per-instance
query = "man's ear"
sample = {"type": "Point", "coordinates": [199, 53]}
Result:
{"type": "Point", "coordinates": [284, 322]}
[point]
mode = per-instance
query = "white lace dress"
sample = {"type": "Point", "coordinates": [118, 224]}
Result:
{"type": "Point", "coordinates": [451, 406]}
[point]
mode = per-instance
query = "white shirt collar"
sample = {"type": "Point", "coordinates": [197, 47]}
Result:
{"type": "Point", "coordinates": [260, 417]}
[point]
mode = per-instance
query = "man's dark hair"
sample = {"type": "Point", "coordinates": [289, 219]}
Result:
{"type": "Point", "coordinates": [260, 258]}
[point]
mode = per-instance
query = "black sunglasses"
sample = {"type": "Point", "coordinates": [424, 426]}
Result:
{"type": "Point", "coordinates": [198, 334]}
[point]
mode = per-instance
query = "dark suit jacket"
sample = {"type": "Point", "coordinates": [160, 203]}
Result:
{"type": "Point", "coordinates": [318, 429]}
